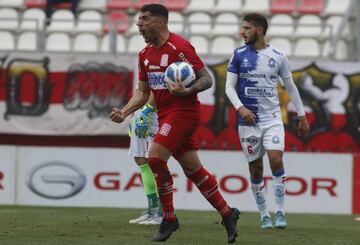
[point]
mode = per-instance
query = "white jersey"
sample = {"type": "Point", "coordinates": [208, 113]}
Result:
{"type": "Point", "coordinates": [258, 72]}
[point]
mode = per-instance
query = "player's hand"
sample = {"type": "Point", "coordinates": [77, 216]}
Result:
{"type": "Point", "coordinates": [248, 116]}
{"type": "Point", "coordinates": [117, 115]}
{"type": "Point", "coordinates": [178, 89]}
{"type": "Point", "coordinates": [143, 121]}
{"type": "Point", "coordinates": [303, 129]}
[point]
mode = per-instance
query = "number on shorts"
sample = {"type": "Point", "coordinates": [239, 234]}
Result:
{"type": "Point", "coordinates": [250, 149]}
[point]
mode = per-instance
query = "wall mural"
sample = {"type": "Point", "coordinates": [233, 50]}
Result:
{"type": "Point", "coordinates": [77, 100]}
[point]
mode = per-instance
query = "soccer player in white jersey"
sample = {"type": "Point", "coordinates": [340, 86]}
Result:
{"type": "Point", "coordinates": [251, 85]}
{"type": "Point", "coordinates": [142, 130]}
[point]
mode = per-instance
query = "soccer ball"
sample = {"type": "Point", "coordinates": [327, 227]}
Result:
{"type": "Point", "coordinates": [180, 71]}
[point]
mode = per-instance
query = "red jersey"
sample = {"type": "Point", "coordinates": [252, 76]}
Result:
{"type": "Point", "coordinates": [152, 65]}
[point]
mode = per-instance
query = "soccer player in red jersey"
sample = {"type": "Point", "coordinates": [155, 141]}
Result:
{"type": "Point", "coordinates": [178, 114]}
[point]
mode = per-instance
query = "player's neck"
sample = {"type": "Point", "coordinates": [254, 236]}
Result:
{"type": "Point", "coordinates": [259, 44]}
{"type": "Point", "coordinates": [162, 38]}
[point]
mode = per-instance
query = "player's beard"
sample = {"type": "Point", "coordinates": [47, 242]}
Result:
{"type": "Point", "coordinates": [254, 38]}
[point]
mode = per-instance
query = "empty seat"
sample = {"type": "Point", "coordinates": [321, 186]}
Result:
{"type": "Point", "coordinates": [282, 6]}
{"type": "Point", "coordinates": [62, 20]}
{"type": "Point", "coordinates": [117, 21]}
{"type": "Point", "coordinates": [283, 44]}
{"type": "Point", "coordinates": [89, 21]}
{"type": "Point", "coordinates": [226, 23]}
{"type": "Point", "coordinates": [86, 42]}
{"type": "Point", "coordinates": [307, 47]}
{"type": "Point", "coordinates": [200, 44]}
{"type": "Point", "coordinates": [228, 6]}
{"type": "Point", "coordinates": [311, 6]}
{"type": "Point", "coordinates": [200, 23]}
{"type": "Point", "coordinates": [222, 46]}
{"type": "Point", "coordinates": [175, 5]}
{"type": "Point", "coordinates": [119, 42]}
{"type": "Point", "coordinates": [58, 42]}
{"type": "Point", "coordinates": [176, 22]}
{"type": "Point", "coordinates": [7, 41]}
{"type": "Point", "coordinates": [139, 3]}
{"type": "Point", "coordinates": [281, 25]}
{"type": "Point", "coordinates": [203, 5]}
{"type": "Point", "coordinates": [119, 4]}
{"type": "Point", "coordinates": [308, 26]}
{"type": "Point", "coordinates": [341, 50]}
{"type": "Point", "coordinates": [93, 4]}
{"type": "Point", "coordinates": [35, 3]}
{"type": "Point", "coordinates": [332, 25]}
{"type": "Point", "coordinates": [9, 19]}
{"type": "Point", "coordinates": [12, 3]}
{"type": "Point", "coordinates": [261, 6]}
{"type": "Point", "coordinates": [27, 41]}
{"type": "Point", "coordinates": [136, 44]}
{"type": "Point", "coordinates": [336, 7]}
{"type": "Point", "coordinates": [33, 19]}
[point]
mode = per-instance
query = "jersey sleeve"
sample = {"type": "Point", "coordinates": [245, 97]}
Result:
{"type": "Point", "coordinates": [191, 56]}
{"type": "Point", "coordinates": [285, 70]}
{"type": "Point", "coordinates": [233, 66]}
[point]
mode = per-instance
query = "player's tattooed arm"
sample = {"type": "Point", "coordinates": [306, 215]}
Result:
{"type": "Point", "coordinates": [203, 82]}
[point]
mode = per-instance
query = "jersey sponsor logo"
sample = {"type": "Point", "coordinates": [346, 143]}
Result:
{"type": "Point", "coordinates": [164, 61]}
{"type": "Point", "coordinates": [259, 91]}
{"type": "Point", "coordinates": [245, 63]}
{"type": "Point", "coordinates": [156, 80]}
{"type": "Point", "coordinates": [252, 139]}
{"type": "Point", "coordinates": [165, 129]}
{"type": "Point", "coordinates": [251, 75]}
{"type": "Point", "coordinates": [152, 67]}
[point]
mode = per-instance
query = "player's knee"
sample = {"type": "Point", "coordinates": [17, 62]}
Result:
{"type": "Point", "coordinates": [140, 160]}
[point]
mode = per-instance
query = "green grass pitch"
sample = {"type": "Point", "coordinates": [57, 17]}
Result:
{"type": "Point", "coordinates": [49, 225]}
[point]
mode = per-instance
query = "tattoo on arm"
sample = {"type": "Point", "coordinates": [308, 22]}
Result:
{"type": "Point", "coordinates": [203, 82]}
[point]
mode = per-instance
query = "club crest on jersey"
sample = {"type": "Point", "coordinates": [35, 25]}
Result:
{"type": "Point", "coordinates": [272, 63]}
{"type": "Point", "coordinates": [164, 61]}
{"type": "Point", "coordinates": [245, 63]}
{"type": "Point", "coordinates": [276, 139]}
{"type": "Point", "coordinates": [165, 129]}
{"type": "Point", "coordinates": [146, 62]}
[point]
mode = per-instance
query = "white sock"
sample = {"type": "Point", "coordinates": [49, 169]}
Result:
{"type": "Point", "coordinates": [279, 192]}
{"type": "Point", "coordinates": [259, 193]}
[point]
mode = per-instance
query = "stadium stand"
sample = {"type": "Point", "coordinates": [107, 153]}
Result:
{"type": "Point", "coordinates": [33, 19]}
{"type": "Point", "coordinates": [307, 48]}
{"type": "Point", "coordinates": [283, 6]}
{"type": "Point", "coordinates": [200, 43]}
{"type": "Point", "coordinates": [200, 21]}
{"type": "Point", "coordinates": [86, 43]}
{"type": "Point", "coordinates": [310, 7]}
{"type": "Point", "coordinates": [282, 44]}
{"type": "Point", "coordinates": [228, 6]}
{"type": "Point", "coordinates": [118, 21]}
{"type": "Point", "coordinates": [281, 25]}
{"type": "Point", "coordinates": [223, 46]}
{"type": "Point", "coordinates": [62, 20]}
{"type": "Point", "coordinates": [27, 41]}
{"type": "Point", "coordinates": [7, 40]}
{"type": "Point", "coordinates": [58, 42]}
{"type": "Point", "coordinates": [9, 19]}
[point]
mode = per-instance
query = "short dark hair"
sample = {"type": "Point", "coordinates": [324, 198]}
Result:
{"type": "Point", "coordinates": [156, 10]}
{"type": "Point", "coordinates": [257, 20]}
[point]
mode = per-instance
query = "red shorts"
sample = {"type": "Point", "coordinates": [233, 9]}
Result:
{"type": "Point", "coordinates": [176, 133]}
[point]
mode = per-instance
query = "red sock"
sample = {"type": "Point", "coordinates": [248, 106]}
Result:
{"type": "Point", "coordinates": [208, 187]}
{"type": "Point", "coordinates": [164, 183]}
